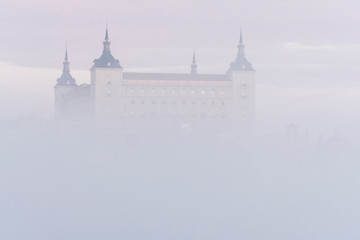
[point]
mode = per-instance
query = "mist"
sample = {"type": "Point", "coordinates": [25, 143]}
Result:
{"type": "Point", "coordinates": [159, 165]}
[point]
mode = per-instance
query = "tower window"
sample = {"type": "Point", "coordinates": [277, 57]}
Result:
{"type": "Point", "coordinates": [243, 94]}
{"type": "Point", "coordinates": [109, 93]}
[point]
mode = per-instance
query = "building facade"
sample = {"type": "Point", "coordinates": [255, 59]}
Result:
{"type": "Point", "coordinates": [131, 100]}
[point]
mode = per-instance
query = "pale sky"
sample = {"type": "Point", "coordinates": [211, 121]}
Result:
{"type": "Point", "coordinates": [310, 49]}
{"type": "Point", "coordinates": [162, 34]}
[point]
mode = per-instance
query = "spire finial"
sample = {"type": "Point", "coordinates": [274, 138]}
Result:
{"type": "Point", "coordinates": [106, 42]}
{"type": "Point", "coordinates": [106, 34]}
{"type": "Point", "coordinates": [66, 53]}
{"type": "Point", "coordinates": [194, 65]}
{"type": "Point", "coordinates": [66, 63]}
{"type": "Point", "coordinates": [241, 39]}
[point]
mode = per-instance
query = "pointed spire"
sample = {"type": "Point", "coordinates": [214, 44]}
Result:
{"type": "Point", "coordinates": [241, 46]}
{"type": "Point", "coordinates": [241, 39]}
{"type": "Point", "coordinates": [66, 63]}
{"type": "Point", "coordinates": [241, 63]}
{"type": "Point", "coordinates": [106, 42]}
{"type": "Point", "coordinates": [106, 34]}
{"type": "Point", "coordinates": [66, 54]}
{"type": "Point", "coordinates": [66, 79]}
{"type": "Point", "coordinates": [194, 65]}
{"type": "Point", "coordinates": [106, 60]}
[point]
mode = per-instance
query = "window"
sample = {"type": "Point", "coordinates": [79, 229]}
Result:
{"type": "Point", "coordinates": [142, 91]}
{"type": "Point", "coordinates": [108, 80]}
{"type": "Point", "coordinates": [222, 92]}
{"type": "Point", "coordinates": [193, 91]}
{"type": "Point", "coordinates": [153, 91]}
{"type": "Point", "coordinates": [243, 94]}
{"type": "Point", "coordinates": [212, 91]}
{"type": "Point", "coordinates": [183, 91]}
{"type": "Point", "coordinates": [132, 91]}
{"type": "Point", "coordinates": [109, 93]}
{"type": "Point", "coordinates": [173, 91]}
{"type": "Point", "coordinates": [203, 92]}
{"type": "Point", "coordinates": [163, 91]}
{"type": "Point", "coordinates": [243, 82]}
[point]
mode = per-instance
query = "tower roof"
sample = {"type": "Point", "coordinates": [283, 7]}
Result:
{"type": "Point", "coordinates": [106, 60]}
{"type": "Point", "coordinates": [241, 63]}
{"type": "Point", "coordinates": [66, 79]}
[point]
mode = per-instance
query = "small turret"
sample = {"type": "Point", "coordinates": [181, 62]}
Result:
{"type": "Point", "coordinates": [66, 79]}
{"type": "Point", "coordinates": [241, 63]}
{"type": "Point", "coordinates": [106, 60]}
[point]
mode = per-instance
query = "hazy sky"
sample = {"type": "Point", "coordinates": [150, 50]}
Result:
{"type": "Point", "coordinates": [306, 53]}
{"type": "Point", "coordinates": [163, 34]}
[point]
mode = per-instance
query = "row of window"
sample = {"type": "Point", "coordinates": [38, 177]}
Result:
{"type": "Point", "coordinates": [175, 91]}
{"type": "Point", "coordinates": [243, 82]}
{"type": "Point", "coordinates": [153, 102]}
{"type": "Point", "coordinates": [243, 93]}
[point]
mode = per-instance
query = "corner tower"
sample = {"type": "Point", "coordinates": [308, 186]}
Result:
{"type": "Point", "coordinates": [242, 75]}
{"type": "Point", "coordinates": [65, 84]}
{"type": "Point", "coordinates": [106, 84]}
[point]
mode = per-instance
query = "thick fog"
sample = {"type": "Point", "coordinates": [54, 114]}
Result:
{"type": "Point", "coordinates": [294, 177]}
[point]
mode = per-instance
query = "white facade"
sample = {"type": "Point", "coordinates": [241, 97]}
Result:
{"type": "Point", "coordinates": [120, 99]}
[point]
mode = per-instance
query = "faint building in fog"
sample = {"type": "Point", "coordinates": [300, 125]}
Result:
{"type": "Point", "coordinates": [131, 100]}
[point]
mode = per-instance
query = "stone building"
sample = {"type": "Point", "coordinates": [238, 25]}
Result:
{"type": "Point", "coordinates": [117, 99]}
